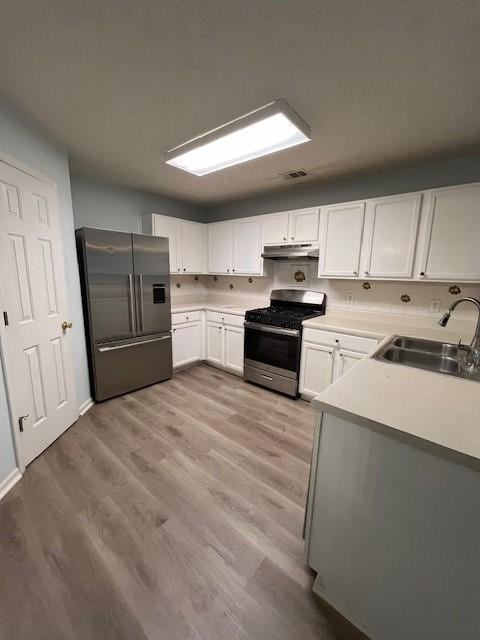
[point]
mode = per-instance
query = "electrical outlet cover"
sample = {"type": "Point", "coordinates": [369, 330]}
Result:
{"type": "Point", "coordinates": [435, 306]}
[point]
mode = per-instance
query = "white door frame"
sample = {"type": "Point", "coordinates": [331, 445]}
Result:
{"type": "Point", "coordinates": [3, 334]}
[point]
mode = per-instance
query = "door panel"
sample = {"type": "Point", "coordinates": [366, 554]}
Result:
{"type": "Point", "coordinates": [33, 291]}
{"type": "Point", "coordinates": [187, 343]}
{"type": "Point", "coordinates": [220, 247]}
{"type": "Point", "coordinates": [275, 228]}
{"type": "Point", "coordinates": [109, 270]}
{"type": "Point", "coordinates": [304, 226]}
{"type": "Point", "coordinates": [150, 262]}
{"type": "Point", "coordinates": [193, 246]}
{"type": "Point", "coordinates": [390, 236]}
{"type": "Point", "coordinates": [214, 343]}
{"type": "Point", "coordinates": [346, 360]}
{"type": "Point", "coordinates": [247, 246]}
{"type": "Point", "coordinates": [234, 349]}
{"type": "Point", "coordinates": [166, 227]}
{"type": "Point", "coordinates": [450, 249]}
{"type": "Point", "coordinates": [316, 368]}
{"type": "Point", "coordinates": [341, 229]}
{"type": "Point", "coordinates": [122, 366]}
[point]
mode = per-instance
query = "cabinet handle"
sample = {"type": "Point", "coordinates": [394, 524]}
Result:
{"type": "Point", "coordinates": [292, 238]}
{"type": "Point", "coordinates": [284, 238]}
{"type": "Point", "coordinates": [178, 269]}
{"type": "Point", "coordinates": [367, 273]}
{"type": "Point", "coordinates": [187, 317]}
{"type": "Point", "coordinates": [422, 273]}
{"type": "Point", "coordinates": [174, 330]}
{"type": "Point", "coordinates": [233, 270]}
{"type": "Point", "coordinates": [184, 269]}
{"type": "Point", "coordinates": [355, 273]}
{"type": "Point", "coordinates": [337, 341]}
{"type": "Point", "coordinates": [228, 270]}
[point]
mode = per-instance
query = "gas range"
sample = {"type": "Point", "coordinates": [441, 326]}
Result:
{"type": "Point", "coordinates": [273, 338]}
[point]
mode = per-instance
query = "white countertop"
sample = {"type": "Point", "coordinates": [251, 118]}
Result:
{"type": "Point", "coordinates": [432, 409]}
{"type": "Point", "coordinates": [235, 308]}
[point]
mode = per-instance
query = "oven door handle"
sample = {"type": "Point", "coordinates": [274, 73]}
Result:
{"type": "Point", "coordinates": [268, 329]}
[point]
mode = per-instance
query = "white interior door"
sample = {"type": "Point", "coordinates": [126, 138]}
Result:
{"type": "Point", "coordinates": [39, 364]}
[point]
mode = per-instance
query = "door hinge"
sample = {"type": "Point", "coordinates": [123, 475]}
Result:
{"type": "Point", "coordinates": [5, 318]}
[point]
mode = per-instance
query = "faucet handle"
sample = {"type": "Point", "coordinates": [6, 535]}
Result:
{"type": "Point", "coordinates": [463, 347]}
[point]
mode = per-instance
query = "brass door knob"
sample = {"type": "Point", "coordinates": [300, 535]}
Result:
{"type": "Point", "coordinates": [66, 325]}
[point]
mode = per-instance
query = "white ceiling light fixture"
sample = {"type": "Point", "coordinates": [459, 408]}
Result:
{"type": "Point", "coordinates": [271, 128]}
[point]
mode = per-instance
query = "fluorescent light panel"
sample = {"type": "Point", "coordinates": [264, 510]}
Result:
{"type": "Point", "coordinates": [269, 129]}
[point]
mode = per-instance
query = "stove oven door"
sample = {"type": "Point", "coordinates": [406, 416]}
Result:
{"type": "Point", "coordinates": [272, 357]}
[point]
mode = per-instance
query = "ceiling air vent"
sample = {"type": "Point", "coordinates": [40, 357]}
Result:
{"type": "Point", "coordinates": [292, 175]}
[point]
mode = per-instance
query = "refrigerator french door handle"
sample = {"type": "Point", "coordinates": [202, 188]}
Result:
{"type": "Point", "coordinates": [133, 344]}
{"type": "Point", "coordinates": [140, 293]}
{"type": "Point", "coordinates": [131, 302]}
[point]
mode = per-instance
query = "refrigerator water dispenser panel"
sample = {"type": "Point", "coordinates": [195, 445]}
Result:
{"type": "Point", "coordinates": [158, 293]}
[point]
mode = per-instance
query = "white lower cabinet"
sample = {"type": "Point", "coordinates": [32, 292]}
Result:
{"type": "Point", "coordinates": [225, 336]}
{"type": "Point", "coordinates": [316, 369]}
{"type": "Point", "coordinates": [233, 353]}
{"type": "Point", "coordinates": [326, 356]}
{"type": "Point", "coordinates": [187, 339]}
{"type": "Point", "coordinates": [214, 343]}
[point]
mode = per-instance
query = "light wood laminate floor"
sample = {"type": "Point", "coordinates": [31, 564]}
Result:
{"type": "Point", "coordinates": [171, 513]}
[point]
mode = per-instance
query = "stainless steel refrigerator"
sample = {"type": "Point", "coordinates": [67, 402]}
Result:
{"type": "Point", "coordinates": [126, 300]}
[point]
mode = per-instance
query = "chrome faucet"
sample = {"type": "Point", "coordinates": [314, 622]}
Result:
{"type": "Point", "coordinates": [472, 361]}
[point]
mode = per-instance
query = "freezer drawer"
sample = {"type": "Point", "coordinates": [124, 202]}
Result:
{"type": "Point", "coordinates": [123, 366]}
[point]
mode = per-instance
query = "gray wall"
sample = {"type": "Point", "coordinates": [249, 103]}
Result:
{"type": "Point", "coordinates": [437, 173]}
{"type": "Point", "coordinates": [20, 140]}
{"type": "Point", "coordinates": [109, 206]}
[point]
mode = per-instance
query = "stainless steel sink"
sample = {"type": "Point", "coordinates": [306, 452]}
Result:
{"type": "Point", "coordinates": [439, 357]}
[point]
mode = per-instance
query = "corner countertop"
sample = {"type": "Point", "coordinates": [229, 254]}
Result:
{"type": "Point", "coordinates": [221, 306]}
{"type": "Point", "coordinates": [435, 411]}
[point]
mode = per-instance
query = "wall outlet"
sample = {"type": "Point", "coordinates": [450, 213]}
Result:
{"type": "Point", "coordinates": [349, 298]}
{"type": "Point", "coordinates": [435, 306]}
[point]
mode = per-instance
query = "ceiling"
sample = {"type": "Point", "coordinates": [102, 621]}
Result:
{"type": "Point", "coordinates": [381, 83]}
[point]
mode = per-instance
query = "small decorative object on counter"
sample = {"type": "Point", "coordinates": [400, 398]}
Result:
{"type": "Point", "coordinates": [405, 298]}
{"type": "Point", "coordinates": [366, 285]}
{"type": "Point", "coordinates": [454, 290]}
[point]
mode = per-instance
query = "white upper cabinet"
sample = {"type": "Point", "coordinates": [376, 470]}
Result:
{"type": "Point", "coordinates": [186, 241]}
{"type": "Point", "coordinates": [303, 225]}
{"type": "Point", "coordinates": [341, 227]}
{"type": "Point", "coordinates": [236, 247]}
{"type": "Point", "coordinates": [451, 237]}
{"type": "Point", "coordinates": [275, 228]}
{"type": "Point", "coordinates": [293, 226]}
{"type": "Point", "coordinates": [390, 235]}
{"type": "Point", "coordinates": [166, 227]}
{"type": "Point", "coordinates": [220, 247]}
{"type": "Point", "coordinates": [247, 246]}
{"type": "Point", "coordinates": [193, 247]}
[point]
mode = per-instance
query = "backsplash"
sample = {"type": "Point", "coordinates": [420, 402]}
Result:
{"type": "Point", "coordinates": [381, 297]}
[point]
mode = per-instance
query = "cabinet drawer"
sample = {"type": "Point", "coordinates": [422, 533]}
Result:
{"type": "Point", "coordinates": [225, 318]}
{"type": "Point", "coordinates": [341, 340]}
{"type": "Point", "coordinates": [186, 316]}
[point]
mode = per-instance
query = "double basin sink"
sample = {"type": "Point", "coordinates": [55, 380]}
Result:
{"type": "Point", "coordinates": [440, 357]}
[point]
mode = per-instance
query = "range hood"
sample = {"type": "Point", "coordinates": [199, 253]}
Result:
{"type": "Point", "coordinates": [291, 251]}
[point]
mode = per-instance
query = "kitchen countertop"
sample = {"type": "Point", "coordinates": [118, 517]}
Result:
{"type": "Point", "coordinates": [227, 306]}
{"type": "Point", "coordinates": [432, 410]}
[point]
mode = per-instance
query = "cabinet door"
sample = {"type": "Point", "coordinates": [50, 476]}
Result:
{"type": "Point", "coordinates": [193, 247]}
{"type": "Point", "coordinates": [247, 246]}
{"type": "Point", "coordinates": [214, 343]}
{"type": "Point", "coordinates": [451, 243]}
{"type": "Point", "coordinates": [341, 228]}
{"type": "Point", "coordinates": [233, 348]}
{"type": "Point", "coordinates": [345, 361]}
{"type": "Point", "coordinates": [275, 228]}
{"type": "Point", "coordinates": [316, 368]}
{"type": "Point", "coordinates": [303, 226]}
{"type": "Point", "coordinates": [220, 247]}
{"type": "Point", "coordinates": [390, 236]}
{"type": "Point", "coordinates": [186, 343]}
{"type": "Point", "coordinates": [166, 227]}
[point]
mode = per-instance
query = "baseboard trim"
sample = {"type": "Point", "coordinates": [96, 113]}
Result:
{"type": "Point", "coordinates": [85, 406]}
{"type": "Point", "coordinates": [9, 482]}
